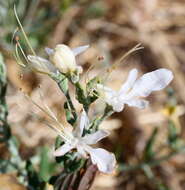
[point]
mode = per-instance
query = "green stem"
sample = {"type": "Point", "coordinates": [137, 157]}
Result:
{"type": "Point", "coordinates": [105, 116]}
{"type": "Point", "coordinates": [62, 82]}
{"type": "Point", "coordinates": [73, 110]}
{"type": "Point", "coordinates": [108, 112]}
{"type": "Point", "coordinates": [81, 96]}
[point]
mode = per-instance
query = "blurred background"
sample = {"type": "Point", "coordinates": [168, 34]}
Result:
{"type": "Point", "coordinates": [111, 27]}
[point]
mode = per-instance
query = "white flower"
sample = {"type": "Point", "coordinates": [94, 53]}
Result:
{"type": "Point", "coordinates": [104, 160]}
{"type": "Point", "coordinates": [61, 58]}
{"type": "Point", "coordinates": [41, 65]}
{"type": "Point", "coordinates": [134, 88]}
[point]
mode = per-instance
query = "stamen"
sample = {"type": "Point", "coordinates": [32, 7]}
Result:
{"type": "Point", "coordinates": [22, 51]}
{"type": "Point", "coordinates": [51, 127]}
{"type": "Point", "coordinates": [115, 65]}
{"type": "Point", "coordinates": [24, 34]}
{"type": "Point", "coordinates": [51, 115]}
{"type": "Point", "coordinates": [135, 48]}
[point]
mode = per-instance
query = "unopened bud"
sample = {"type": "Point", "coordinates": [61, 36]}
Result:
{"type": "Point", "coordinates": [63, 58]}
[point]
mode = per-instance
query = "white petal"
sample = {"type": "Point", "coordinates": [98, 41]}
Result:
{"type": "Point", "coordinates": [81, 151]}
{"type": "Point", "coordinates": [95, 137]}
{"type": "Point", "coordinates": [84, 122]}
{"type": "Point", "coordinates": [118, 107]}
{"type": "Point", "coordinates": [130, 81]}
{"type": "Point", "coordinates": [105, 89]}
{"type": "Point", "coordinates": [104, 160]}
{"type": "Point", "coordinates": [33, 58]}
{"type": "Point", "coordinates": [49, 51]}
{"type": "Point", "coordinates": [112, 98]}
{"type": "Point", "coordinates": [138, 103]}
{"type": "Point", "coordinates": [63, 58]}
{"type": "Point", "coordinates": [63, 150]}
{"type": "Point", "coordinates": [79, 49]}
{"type": "Point", "coordinates": [153, 81]}
{"type": "Point", "coordinates": [40, 64]}
{"type": "Point", "coordinates": [107, 92]}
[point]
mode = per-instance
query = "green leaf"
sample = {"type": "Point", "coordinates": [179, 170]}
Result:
{"type": "Point", "coordinates": [148, 151]}
{"type": "Point", "coordinates": [5, 132]}
{"type": "Point", "coordinates": [80, 94]}
{"type": "Point", "coordinates": [14, 146]}
{"type": "Point", "coordinates": [91, 90]}
{"type": "Point", "coordinates": [58, 142]}
{"type": "Point", "coordinates": [174, 139]}
{"type": "Point", "coordinates": [76, 165]}
{"type": "Point", "coordinates": [46, 166]}
{"type": "Point", "coordinates": [62, 82]}
{"type": "Point", "coordinates": [33, 178]}
{"type": "Point", "coordinates": [92, 84]}
{"type": "Point", "coordinates": [90, 95]}
{"type": "Point", "coordinates": [172, 133]}
{"type": "Point", "coordinates": [2, 71]}
{"type": "Point", "coordinates": [66, 159]}
{"type": "Point", "coordinates": [69, 115]}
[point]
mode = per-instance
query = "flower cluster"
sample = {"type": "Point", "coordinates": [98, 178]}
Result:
{"type": "Point", "coordinates": [62, 60]}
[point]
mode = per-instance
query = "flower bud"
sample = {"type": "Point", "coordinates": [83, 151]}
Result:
{"type": "Point", "coordinates": [64, 59]}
